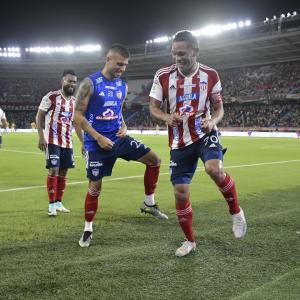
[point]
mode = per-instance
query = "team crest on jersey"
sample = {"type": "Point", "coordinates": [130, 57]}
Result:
{"type": "Point", "coordinates": [119, 94]}
{"type": "Point", "coordinates": [203, 85]}
{"type": "Point", "coordinates": [54, 162]}
{"type": "Point", "coordinates": [95, 172]}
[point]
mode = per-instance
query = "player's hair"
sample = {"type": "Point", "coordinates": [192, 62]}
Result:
{"type": "Point", "coordinates": [121, 49]}
{"type": "Point", "coordinates": [68, 72]}
{"type": "Point", "coordinates": [188, 37]}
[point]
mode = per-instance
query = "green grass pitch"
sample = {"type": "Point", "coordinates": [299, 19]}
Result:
{"type": "Point", "coordinates": [132, 255]}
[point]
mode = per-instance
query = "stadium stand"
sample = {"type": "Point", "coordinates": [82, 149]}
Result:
{"type": "Point", "coordinates": [259, 69]}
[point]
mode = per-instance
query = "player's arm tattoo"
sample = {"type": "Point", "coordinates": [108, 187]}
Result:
{"type": "Point", "coordinates": [83, 95]}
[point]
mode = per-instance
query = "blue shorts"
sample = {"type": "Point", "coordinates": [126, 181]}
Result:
{"type": "Point", "coordinates": [58, 157]}
{"type": "Point", "coordinates": [100, 163]}
{"type": "Point", "coordinates": [184, 161]}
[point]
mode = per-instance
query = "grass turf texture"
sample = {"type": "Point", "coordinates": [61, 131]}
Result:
{"type": "Point", "coordinates": [132, 255]}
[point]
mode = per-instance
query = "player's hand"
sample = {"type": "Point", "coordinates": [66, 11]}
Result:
{"type": "Point", "coordinates": [207, 124]}
{"type": "Point", "coordinates": [42, 145]}
{"type": "Point", "coordinates": [174, 119]}
{"type": "Point", "coordinates": [104, 142]}
{"type": "Point", "coordinates": [82, 150]}
{"type": "Point", "coordinates": [122, 131]}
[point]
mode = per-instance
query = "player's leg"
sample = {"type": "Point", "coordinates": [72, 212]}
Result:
{"type": "Point", "coordinates": [99, 164]}
{"type": "Point", "coordinates": [131, 149]}
{"type": "Point", "coordinates": [52, 164]}
{"type": "Point", "coordinates": [213, 163]}
{"type": "Point", "coordinates": [90, 210]}
{"type": "Point", "coordinates": [152, 162]}
{"type": "Point", "coordinates": [183, 165]}
{"type": "Point", "coordinates": [66, 162]}
{"type": "Point", "coordinates": [60, 189]}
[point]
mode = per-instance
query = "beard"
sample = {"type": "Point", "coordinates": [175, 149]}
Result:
{"type": "Point", "coordinates": [68, 91]}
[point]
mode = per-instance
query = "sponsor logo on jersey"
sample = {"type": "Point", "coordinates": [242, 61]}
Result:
{"type": "Point", "coordinates": [187, 85]}
{"type": "Point", "coordinates": [107, 115]}
{"type": "Point", "coordinates": [188, 97]}
{"type": "Point", "coordinates": [186, 110]}
{"type": "Point", "coordinates": [173, 164]}
{"type": "Point", "coordinates": [99, 80]}
{"type": "Point", "coordinates": [110, 103]}
{"type": "Point", "coordinates": [110, 87]}
{"type": "Point", "coordinates": [95, 164]}
{"type": "Point", "coordinates": [53, 156]}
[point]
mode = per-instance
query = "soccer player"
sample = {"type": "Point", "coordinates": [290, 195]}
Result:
{"type": "Point", "coordinates": [192, 92]}
{"type": "Point", "coordinates": [98, 112]}
{"type": "Point", "coordinates": [4, 124]}
{"type": "Point", "coordinates": [56, 111]}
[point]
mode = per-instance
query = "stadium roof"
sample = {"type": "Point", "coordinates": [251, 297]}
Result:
{"type": "Point", "coordinates": [276, 41]}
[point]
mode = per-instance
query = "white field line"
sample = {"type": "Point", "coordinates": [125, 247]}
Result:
{"type": "Point", "coordinates": [140, 176]}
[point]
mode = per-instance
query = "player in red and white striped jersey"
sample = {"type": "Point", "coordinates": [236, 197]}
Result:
{"type": "Point", "coordinates": [56, 111]}
{"type": "Point", "coordinates": [191, 94]}
{"type": "Point", "coordinates": [4, 123]}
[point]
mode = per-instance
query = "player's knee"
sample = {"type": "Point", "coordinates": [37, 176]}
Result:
{"type": "Point", "coordinates": [216, 173]}
{"type": "Point", "coordinates": [95, 186]}
{"type": "Point", "coordinates": [53, 171]}
{"type": "Point", "coordinates": [181, 194]}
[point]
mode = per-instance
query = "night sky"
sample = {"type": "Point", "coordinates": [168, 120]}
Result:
{"type": "Point", "coordinates": [32, 23]}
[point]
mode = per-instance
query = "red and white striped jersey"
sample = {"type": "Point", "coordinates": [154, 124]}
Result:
{"type": "Point", "coordinates": [190, 97]}
{"type": "Point", "coordinates": [58, 120]}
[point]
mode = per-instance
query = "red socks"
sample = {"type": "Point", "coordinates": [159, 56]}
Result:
{"type": "Point", "coordinates": [61, 184]}
{"type": "Point", "coordinates": [51, 187]}
{"type": "Point", "coordinates": [91, 205]}
{"type": "Point", "coordinates": [150, 179]}
{"type": "Point", "coordinates": [227, 188]}
{"type": "Point", "coordinates": [185, 217]}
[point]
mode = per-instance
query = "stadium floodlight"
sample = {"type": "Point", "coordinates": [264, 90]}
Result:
{"type": "Point", "coordinates": [294, 13]}
{"type": "Point", "coordinates": [248, 23]}
{"type": "Point", "coordinates": [282, 16]}
{"type": "Point", "coordinates": [274, 17]}
{"type": "Point", "coordinates": [68, 49]}
{"type": "Point", "coordinates": [161, 39]}
{"type": "Point", "coordinates": [288, 15]}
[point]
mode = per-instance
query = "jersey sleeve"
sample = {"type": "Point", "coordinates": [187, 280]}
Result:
{"type": "Point", "coordinates": [2, 115]}
{"type": "Point", "coordinates": [45, 103]}
{"type": "Point", "coordinates": [156, 90]}
{"type": "Point", "coordinates": [216, 89]}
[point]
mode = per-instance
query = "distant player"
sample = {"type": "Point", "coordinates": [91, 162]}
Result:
{"type": "Point", "coordinates": [194, 108]}
{"type": "Point", "coordinates": [33, 126]}
{"type": "Point", "coordinates": [13, 127]}
{"type": "Point", "coordinates": [99, 113]}
{"type": "Point", "coordinates": [4, 123]}
{"type": "Point", "coordinates": [56, 112]}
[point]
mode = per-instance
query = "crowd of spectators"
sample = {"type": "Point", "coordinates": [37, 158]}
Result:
{"type": "Point", "coordinates": [248, 94]}
{"type": "Point", "coordinates": [259, 83]}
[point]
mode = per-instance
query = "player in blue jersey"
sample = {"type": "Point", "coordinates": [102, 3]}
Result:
{"type": "Point", "coordinates": [98, 112]}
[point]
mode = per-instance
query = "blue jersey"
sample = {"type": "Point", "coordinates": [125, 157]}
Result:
{"type": "Point", "coordinates": [104, 112]}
